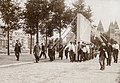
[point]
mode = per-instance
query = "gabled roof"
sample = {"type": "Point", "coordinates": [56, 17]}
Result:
{"type": "Point", "coordinates": [111, 28]}
{"type": "Point", "coordinates": [100, 27]}
{"type": "Point", "coordinates": [116, 25]}
{"type": "Point", "coordinates": [111, 25]}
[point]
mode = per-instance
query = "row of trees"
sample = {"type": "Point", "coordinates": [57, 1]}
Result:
{"type": "Point", "coordinates": [42, 16]}
{"type": "Point", "coordinates": [9, 12]}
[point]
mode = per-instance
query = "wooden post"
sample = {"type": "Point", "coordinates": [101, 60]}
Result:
{"type": "Point", "coordinates": [78, 34]}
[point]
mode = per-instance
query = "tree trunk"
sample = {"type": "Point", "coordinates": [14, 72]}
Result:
{"type": "Point", "coordinates": [46, 40]}
{"type": "Point", "coordinates": [30, 43]}
{"type": "Point", "coordinates": [59, 40]}
{"type": "Point", "coordinates": [8, 50]}
{"type": "Point", "coordinates": [37, 36]}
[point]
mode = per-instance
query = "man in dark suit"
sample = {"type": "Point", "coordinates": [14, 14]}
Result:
{"type": "Point", "coordinates": [109, 51]}
{"type": "Point", "coordinates": [50, 51]}
{"type": "Point", "coordinates": [17, 49]}
{"type": "Point", "coordinates": [61, 51]}
{"type": "Point", "coordinates": [66, 52]}
{"type": "Point", "coordinates": [36, 51]}
{"type": "Point", "coordinates": [79, 51]}
{"type": "Point", "coordinates": [43, 51]}
{"type": "Point", "coordinates": [71, 52]}
{"type": "Point", "coordinates": [102, 56]}
{"type": "Point", "coordinates": [115, 52]}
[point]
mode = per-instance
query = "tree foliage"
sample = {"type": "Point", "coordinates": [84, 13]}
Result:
{"type": "Point", "coordinates": [48, 15]}
{"type": "Point", "coordinates": [59, 15]}
{"type": "Point", "coordinates": [10, 13]}
{"type": "Point", "coordinates": [34, 14]}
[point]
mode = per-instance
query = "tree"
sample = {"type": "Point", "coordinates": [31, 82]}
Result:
{"type": "Point", "coordinates": [10, 15]}
{"type": "Point", "coordinates": [29, 26]}
{"type": "Point", "coordinates": [57, 8]}
{"type": "Point", "coordinates": [45, 15]}
{"type": "Point", "coordinates": [35, 13]}
{"type": "Point", "coordinates": [35, 16]}
{"type": "Point", "coordinates": [30, 30]}
{"type": "Point", "coordinates": [59, 15]}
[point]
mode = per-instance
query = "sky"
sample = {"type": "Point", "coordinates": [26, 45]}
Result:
{"type": "Point", "coordinates": [104, 10]}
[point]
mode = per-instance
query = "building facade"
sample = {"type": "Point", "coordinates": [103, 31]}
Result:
{"type": "Point", "coordinates": [100, 27]}
{"type": "Point", "coordinates": [3, 40]}
{"type": "Point", "coordinates": [114, 31]}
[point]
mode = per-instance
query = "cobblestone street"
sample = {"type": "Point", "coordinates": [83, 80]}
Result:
{"type": "Point", "coordinates": [59, 71]}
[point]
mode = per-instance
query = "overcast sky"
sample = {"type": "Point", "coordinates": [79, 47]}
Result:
{"type": "Point", "coordinates": [104, 10]}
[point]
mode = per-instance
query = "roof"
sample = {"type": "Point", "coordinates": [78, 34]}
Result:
{"type": "Point", "coordinates": [116, 25]}
{"type": "Point", "coordinates": [100, 27]}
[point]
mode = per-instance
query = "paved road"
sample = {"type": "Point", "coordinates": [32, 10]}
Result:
{"type": "Point", "coordinates": [57, 72]}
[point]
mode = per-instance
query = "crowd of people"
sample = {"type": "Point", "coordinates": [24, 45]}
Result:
{"type": "Point", "coordinates": [83, 52]}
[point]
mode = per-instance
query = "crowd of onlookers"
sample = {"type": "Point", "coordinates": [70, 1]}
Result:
{"type": "Point", "coordinates": [75, 52]}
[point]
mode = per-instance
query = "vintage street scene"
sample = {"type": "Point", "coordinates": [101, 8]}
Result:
{"type": "Point", "coordinates": [59, 41]}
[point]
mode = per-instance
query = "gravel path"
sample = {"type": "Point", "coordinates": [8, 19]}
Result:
{"type": "Point", "coordinates": [60, 72]}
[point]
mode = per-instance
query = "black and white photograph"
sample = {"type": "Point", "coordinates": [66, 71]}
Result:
{"type": "Point", "coordinates": [59, 41]}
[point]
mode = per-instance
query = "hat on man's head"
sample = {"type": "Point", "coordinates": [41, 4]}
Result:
{"type": "Point", "coordinates": [37, 42]}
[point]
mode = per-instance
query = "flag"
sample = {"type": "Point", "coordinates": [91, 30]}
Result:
{"type": "Point", "coordinates": [104, 39]}
{"type": "Point", "coordinates": [83, 29]}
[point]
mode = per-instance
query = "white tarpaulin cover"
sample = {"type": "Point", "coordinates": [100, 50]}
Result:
{"type": "Point", "coordinates": [83, 28]}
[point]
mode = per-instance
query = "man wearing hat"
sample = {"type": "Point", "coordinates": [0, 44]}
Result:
{"type": "Point", "coordinates": [115, 52]}
{"type": "Point", "coordinates": [42, 51]}
{"type": "Point", "coordinates": [36, 51]}
{"type": "Point", "coordinates": [102, 56]}
{"type": "Point", "coordinates": [71, 52]}
{"type": "Point", "coordinates": [110, 50]}
{"type": "Point", "coordinates": [17, 49]}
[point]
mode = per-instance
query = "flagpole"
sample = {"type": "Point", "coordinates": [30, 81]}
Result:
{"type": "Point", "coordinates": [77, 34]}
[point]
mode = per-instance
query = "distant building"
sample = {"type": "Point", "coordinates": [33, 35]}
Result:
{"type": "Point", "coordinates": [3, 40]}
{"type": "Point", "coordinates": [100, 27]}
{"type": "Point", "coordinates": [21, 36]}
{"type": "Point", "coordinates": [114, 31]}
